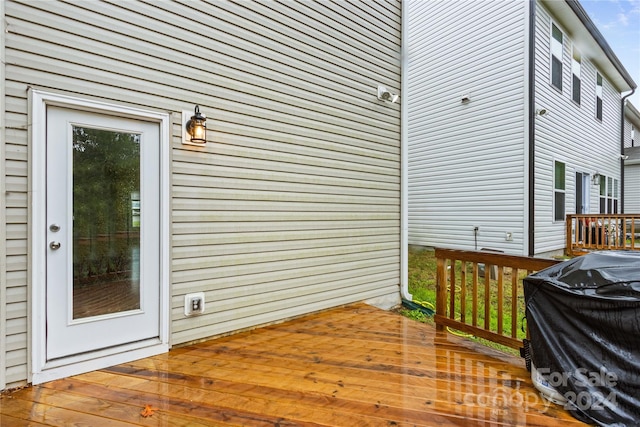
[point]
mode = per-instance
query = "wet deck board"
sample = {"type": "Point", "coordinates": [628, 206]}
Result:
{"type": "Point", "coordinates": [350, 366]}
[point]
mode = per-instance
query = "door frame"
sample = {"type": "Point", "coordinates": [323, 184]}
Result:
{"type": "Point", "coordinates": [585, 185]}
{"type": "Point", "coordinates": [40, 370]}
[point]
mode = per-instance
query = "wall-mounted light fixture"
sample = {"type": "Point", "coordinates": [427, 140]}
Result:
{"type": "Point", "coordinates": [542, 112]}
{"type": "Point", "coordinates": [385, 95]}
{"type": "Point", "coordinates": [195, 127]}
{"type": "Point", "coordinates": [596, 178]}
{"type": "Point", "coordinates": [624, 157]}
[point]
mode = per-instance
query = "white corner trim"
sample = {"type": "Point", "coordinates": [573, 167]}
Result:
{"type": "Point", "coordinates": [404, 155]}
{"type": "Point", "coordinates": [38, 369]}
{"type": "Point", "coordinates": [525, 125]}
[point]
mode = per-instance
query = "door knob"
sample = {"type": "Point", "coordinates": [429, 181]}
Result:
{"type": "Point", "coordinates": [54, 245]}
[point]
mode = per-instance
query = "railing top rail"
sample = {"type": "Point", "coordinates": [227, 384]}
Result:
{"type": "Point", "coordinates": [617, 216]}
{"type": "Point", "coordinates": [499, 259]}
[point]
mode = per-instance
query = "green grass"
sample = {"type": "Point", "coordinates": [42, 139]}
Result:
{"type": "Point", "coordinates": [422, 283]}
{"type": "Point", "coordinates": [422, 275]}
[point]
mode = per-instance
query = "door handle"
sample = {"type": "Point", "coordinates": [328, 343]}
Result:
{"type": "Point", "coordinates": [54, 245]}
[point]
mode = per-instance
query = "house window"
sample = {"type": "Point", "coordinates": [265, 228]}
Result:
{"type": "Point", "coordinates": [609, 195]}
{"type": "Point", "coordinates": [556, 57]}
{"type": "Point", "coordinates": [559, 191]}
{"type": "Point", "coordinates": [598, 96]}
{"type": "Point", "coordinates": [576, 64]}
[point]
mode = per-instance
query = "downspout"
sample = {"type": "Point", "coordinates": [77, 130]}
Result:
{"type": "Point", "coordinates": [532, 127]}
{"type": "Point", "coordinates": [404, 156]}
{"type": "Point", "coordinates": [624, 99]}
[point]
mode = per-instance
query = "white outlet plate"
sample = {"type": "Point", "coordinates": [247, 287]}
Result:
{"type": "Point", "coordinates": [189, 300]}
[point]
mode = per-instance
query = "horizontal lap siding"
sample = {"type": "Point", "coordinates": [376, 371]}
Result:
{"type": "Point", "coordinates": [293, 205]}
{"type": "Point", "coordinates": [631, 168]}
{"type": "Point", "coordinates": [16, 231]}
{"type": "Point", "coordinates": [628, 127]}
{"type": "Point", "coordinates": [466, 161]}
{"type": "Point", "coordinates": [632, 189]}
{"type": "Point", "coordinates": [570, 134]}
{"type": "Point", "coordinates": [3, 211]}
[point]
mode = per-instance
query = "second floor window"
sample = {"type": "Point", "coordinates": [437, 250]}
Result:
{"type": "Point", "coordinates": [556, 57]}
{"type": "Point", "coordinates": [598, 96]}
{"type": "Point", "coordinates": [576, 64]}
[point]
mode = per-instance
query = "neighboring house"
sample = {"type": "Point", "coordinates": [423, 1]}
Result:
{"type": "Point", "coordinates": [632, 159]}
{"type": "Point", "coordinates": [112, 228]}
{"type": "Point", "coordinates": [514, 112]}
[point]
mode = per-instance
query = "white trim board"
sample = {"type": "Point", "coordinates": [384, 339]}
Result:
{"type": "Point", "coordinates": [3, 219]}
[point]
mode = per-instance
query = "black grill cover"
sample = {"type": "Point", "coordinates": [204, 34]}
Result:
{"type": "Point", "coordinates": [583, 317]}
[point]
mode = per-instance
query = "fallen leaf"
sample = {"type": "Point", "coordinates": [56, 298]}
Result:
{"type": "Point", "coordinates": [148, 411]}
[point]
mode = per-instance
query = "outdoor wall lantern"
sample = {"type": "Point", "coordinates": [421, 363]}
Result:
{"type": "Point", "coordinates": [596, 178]}
{"type": "Point", "coordinates": [195, 128]}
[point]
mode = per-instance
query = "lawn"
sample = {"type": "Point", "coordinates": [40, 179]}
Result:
{"type": "Point", "coordinates": [422, 282]}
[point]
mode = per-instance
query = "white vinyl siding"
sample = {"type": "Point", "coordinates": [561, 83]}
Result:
{"type": "Point", "coordinates": [632, 189]}
{"type": "Point", "coordinates": [3, 207]}
{"type": "Point", "coordinates": [292, 206]}
{"type": "Point", "coordinates": [467, 163]}
{"type": "Point", "coordinates": [569, 134]}
{"type": "Point", "coordinates": [631, 134]}
{"type": "Point", "coordinates": [631, 130]}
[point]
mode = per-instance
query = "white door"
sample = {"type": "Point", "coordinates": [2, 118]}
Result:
{"type": "Point", "coordinates": [102, 231]}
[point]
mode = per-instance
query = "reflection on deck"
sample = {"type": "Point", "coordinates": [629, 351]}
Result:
{"type": "Point", "coordinates": [350, 366]}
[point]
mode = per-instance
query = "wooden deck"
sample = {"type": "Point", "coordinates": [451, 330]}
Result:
{"type": "Point", "coordinates": [350, 366]}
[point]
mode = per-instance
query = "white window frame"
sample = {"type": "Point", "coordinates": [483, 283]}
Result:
{"type": "Point", "coordinates": [562, 191]}
{"type": "Point", "coordinates": [599, 96]}
{"type": "Point", "coordinates": [576, 68]}
{"type": "Point", "coordinates": [556, 51]}
{"type": "Point", "coordinates": [609, 195]}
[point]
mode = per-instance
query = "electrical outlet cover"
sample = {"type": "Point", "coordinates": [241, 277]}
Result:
{"type": "Point", "coordinates": [189, 303]}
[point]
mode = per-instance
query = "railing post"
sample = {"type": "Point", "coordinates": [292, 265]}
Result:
{"type": "Point", "coordinates": [441, 290]}
{"type": "Point", "coordinates": [569, 244]}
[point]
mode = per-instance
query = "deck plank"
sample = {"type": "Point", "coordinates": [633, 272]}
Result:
{"type": "Point", "coordinates": [350, 366]}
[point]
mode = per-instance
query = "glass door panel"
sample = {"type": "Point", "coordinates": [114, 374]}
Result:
{"type": "Point", "coordinates": [106, 222]}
